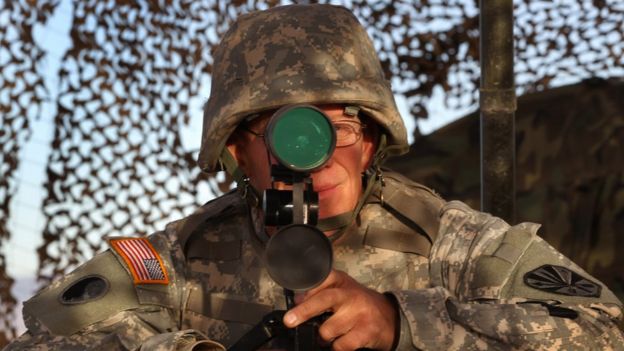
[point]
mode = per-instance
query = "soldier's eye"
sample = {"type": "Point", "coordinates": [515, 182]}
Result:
{"type": "Point", "coordinates": [347, 132]}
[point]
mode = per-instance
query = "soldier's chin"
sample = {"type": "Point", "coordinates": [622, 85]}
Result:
{"type": "Point", "coordinates": [328, 195]}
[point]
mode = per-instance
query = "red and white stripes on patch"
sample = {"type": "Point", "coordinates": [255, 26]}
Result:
{"type": "Point", "coordinates": [142, 260]}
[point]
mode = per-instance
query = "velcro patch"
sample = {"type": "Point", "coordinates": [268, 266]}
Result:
{"type": "Point", "coordinates": [142, 259]}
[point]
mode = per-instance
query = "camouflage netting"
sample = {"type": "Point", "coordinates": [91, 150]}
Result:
{"type": "Point", "coordinates": [435, 44]}
{"type": "Point", "coordinates": [22, 93]}
{"type": "Point", "coordinates": [118, 165]}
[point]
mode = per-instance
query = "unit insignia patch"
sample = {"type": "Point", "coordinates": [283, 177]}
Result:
{"type": "Point", "coordinates": [561, 280]}
{"type": "Point", "coordinates": [85, 289]}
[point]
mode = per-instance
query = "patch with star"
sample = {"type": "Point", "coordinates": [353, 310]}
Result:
{"type": "Point", "coordinates": [144, 262]}
{"type": "Point", "coordinates": [561, 280]}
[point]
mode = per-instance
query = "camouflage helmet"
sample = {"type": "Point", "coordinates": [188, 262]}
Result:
{"type": "Point", "coordinates": [314, 54]}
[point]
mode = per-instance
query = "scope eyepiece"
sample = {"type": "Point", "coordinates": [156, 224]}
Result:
{"type": "Point", "coordinates": [301, 137]}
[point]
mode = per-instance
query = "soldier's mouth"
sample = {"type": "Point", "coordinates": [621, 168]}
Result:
{"type": "Point", "coordinates": [325, 190]}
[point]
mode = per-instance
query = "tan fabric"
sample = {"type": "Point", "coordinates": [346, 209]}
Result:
{"type": "Point", "coordinates": [67, 319]}
{"type": "Point", "coordinates": [449, 299]}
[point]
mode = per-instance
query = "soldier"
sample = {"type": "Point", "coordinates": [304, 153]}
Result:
{"type": "Point", "coordinates": [411, 271]}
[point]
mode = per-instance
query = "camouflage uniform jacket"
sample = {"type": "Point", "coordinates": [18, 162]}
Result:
{"type": "Point", "coordinates": [462, 279]}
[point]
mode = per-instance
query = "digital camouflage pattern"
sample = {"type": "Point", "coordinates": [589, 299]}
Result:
{"type": "Point", "coordinates": [569, 173]}
{"type": "Point", "coordinates": [315, 54]}
{"type": "Point", "coordinates": [449, 297]}
{"type": "Point", "coordinates": [128, 317]}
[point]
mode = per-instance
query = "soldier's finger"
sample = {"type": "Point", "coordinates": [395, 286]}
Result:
{"type": "Point", "coordinates": [353, 340]}
{"type": "Point", "coordinates": [336, 326]}
{"type": "Point", "coordinates": [326, 300]}
{"type": "Point", "coordinates": [335, 278]}
{"type": "Point", "coordinates": [299, 297]}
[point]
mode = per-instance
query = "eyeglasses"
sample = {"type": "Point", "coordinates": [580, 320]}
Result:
{"type": "Point", "coordinates": [347, 132]}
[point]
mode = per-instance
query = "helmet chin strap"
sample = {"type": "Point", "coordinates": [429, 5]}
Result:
{"type": "Point", "coordinates": [246, 190]}
{"type": "Point", "coordinates": [339, 222]}
{"type": "Point", "coordinates": [372, 175]}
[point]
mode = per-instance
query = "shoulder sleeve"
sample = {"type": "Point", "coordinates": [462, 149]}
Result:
{"type": "Point", "coordinates": [496, 286]}
{"type": "Point", "coordinates": [93, 292]}
{"type": "Point", "coordinates": [112, 302]}
{"type": "Point", "coordinates": [412, 201]}
{"type": "Point", "coordinates": [479, 257]}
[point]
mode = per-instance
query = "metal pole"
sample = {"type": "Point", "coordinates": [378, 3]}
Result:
{"type": "Point", "coordinates": [498, 104]}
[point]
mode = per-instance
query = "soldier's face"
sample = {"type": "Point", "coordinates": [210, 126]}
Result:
{"type": "Point", "coordinates": [338, 183]}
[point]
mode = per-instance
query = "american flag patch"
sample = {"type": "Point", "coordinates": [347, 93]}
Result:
{"type": "Point", "coordinates": [142, 259]}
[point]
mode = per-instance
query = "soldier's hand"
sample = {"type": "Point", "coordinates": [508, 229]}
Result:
{"type": "Point", "coordinates": [362, 318]}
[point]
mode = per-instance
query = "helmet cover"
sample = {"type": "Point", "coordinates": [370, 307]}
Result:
{"type": "Point", "coordinates": [296, 54]}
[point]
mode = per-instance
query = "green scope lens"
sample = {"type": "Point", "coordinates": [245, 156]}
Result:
{"type": "Point", "coordinates": [302, 138]}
